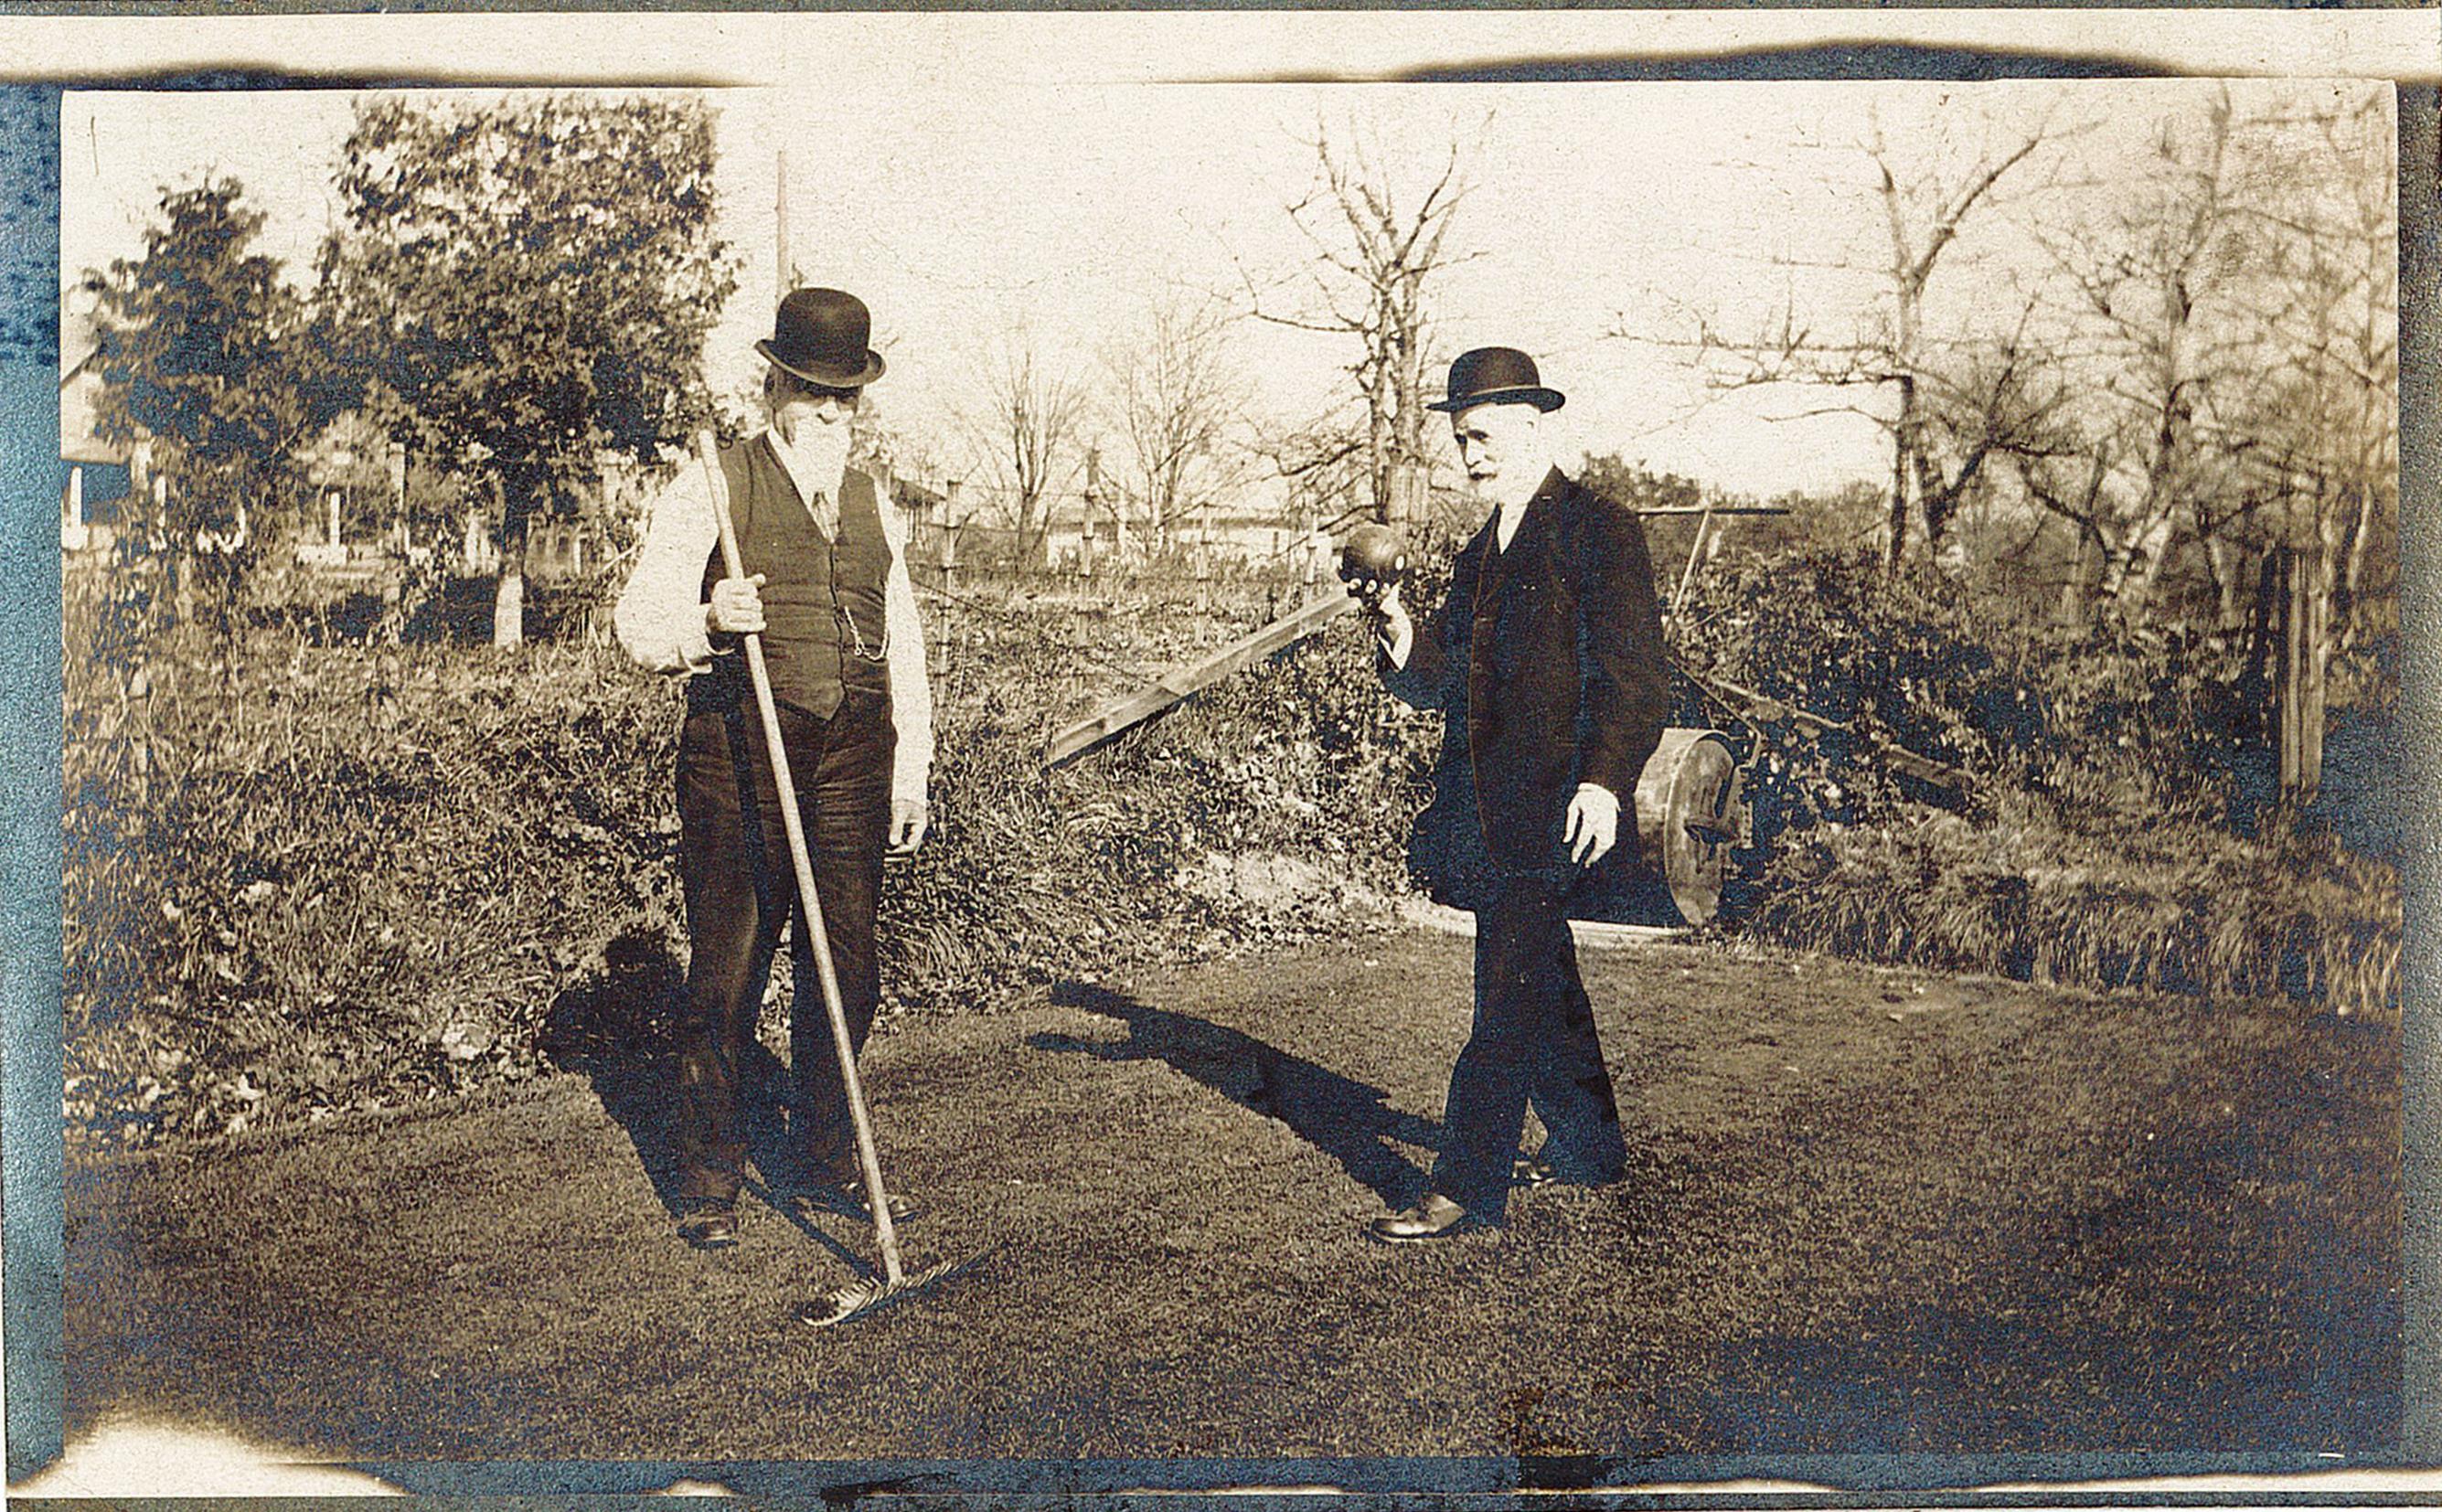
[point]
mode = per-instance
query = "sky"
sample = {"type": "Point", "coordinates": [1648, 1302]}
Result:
{"type": "Point", "coordinates": [964, 197]}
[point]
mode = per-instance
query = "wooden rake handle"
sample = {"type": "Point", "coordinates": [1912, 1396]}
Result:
{"type": "Point", "coordinates": [869, 1157]}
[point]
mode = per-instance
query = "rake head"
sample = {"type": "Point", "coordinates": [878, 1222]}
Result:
{"type": "Point", "coordinates": [873, 1293]}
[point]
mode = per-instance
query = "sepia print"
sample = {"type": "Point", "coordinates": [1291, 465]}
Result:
{"type": "Point", "coordinates": [1524, 785]}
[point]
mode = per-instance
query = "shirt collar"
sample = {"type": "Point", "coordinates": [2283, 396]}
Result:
{"type": "Point", "coordinates": [1510, 514]}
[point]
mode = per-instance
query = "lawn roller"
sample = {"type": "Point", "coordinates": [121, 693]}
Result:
{"type": "Point", "coordinates": [863, 1296]}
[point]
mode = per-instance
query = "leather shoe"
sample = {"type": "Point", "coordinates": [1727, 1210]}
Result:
{"type": "Point", "coordinates": [848, 1197]}
{"type": "Point", "coordinates": [709, 1225]}
{"type": "Point", "coordinates": [903, 1207]}
{"type": "Point", "coordinates": [1436, 1217]}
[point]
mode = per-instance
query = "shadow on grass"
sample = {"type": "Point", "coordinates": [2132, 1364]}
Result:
{"type": "Point", "coordinates": [1350, 1121]}
{"type": "Point", "coordinates": [617, 1028]}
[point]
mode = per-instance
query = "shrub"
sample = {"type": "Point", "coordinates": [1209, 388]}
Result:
{"type": "Point", "coordinates": [2026, 896]}
{"type": "Point", "coordinates": [297, 878]}
{"type": "Point", "coordinates": [302, 877]}
{"type": "Point", "coordinates": [2116, 835]}
{"type": "Point", "coordinates": [2124, 728]}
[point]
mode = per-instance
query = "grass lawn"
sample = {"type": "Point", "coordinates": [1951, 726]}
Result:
{"type": "Point", "coordinates": [1867, 1212]}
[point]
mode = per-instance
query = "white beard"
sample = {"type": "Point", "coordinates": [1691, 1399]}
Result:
{"type": "Point", "coordinates": [820, 450]}
{"type": "Point", "coordinates": [1512, 489]}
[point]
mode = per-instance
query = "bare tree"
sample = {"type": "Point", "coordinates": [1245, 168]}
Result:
{"type": "Point", "coordinates": [1175, 394]}
{"type": "Point", "coordinates": [1026, 431]}
{"type": "Point", "coordinates": [2146, 285]}
{"type": "Point", "coordinates": [1946, 418]}
{"type": "Point", "coordinates": [1375, 251]}
{"type": "Point", "coordinates": [881, 445]}
{"type": "Point", "coordinates": [2236, 377]}
{"type": "Point", "coordinates": [1324, 466]}
{"type": "Point", "coordinates": [2331, 409]}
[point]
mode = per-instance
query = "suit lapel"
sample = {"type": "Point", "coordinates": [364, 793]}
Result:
{"type": "Point", "coordinates": [1535, 528]}
{"type": "Point", "coordinates": [1474, 575]}
{"type": "Point", "coordinates": [1529, 545]}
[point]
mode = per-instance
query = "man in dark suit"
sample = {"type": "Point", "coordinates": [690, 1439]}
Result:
{"type": "Point", "coordinates": [1547, 658]}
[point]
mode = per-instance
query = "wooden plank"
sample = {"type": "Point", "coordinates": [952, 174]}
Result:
{"type": "Point", "coordinates": [2310, 707]}
{"type": "Point", "coordinates": [1181, 683]}
{"type": "Point", "coordinates": [2285, 680]}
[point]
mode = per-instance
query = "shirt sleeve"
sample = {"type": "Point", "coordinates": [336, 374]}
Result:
{"type": "Point", "coordinates": [1395, 650]}
{"type": "Point", "coordinates": [1418, 671]}
{"type": "Point", "coordinates": [911, 689]}
{"type": "Point", "coordinates": [660, 613]}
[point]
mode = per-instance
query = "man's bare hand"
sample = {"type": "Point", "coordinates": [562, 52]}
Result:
{"type": "Point", "coordinates": [1391, 626]}
{"type": "Point", "coordinates": [910, 820]}
{"type": "Point", "coordinates": [1593, 824]}
{"type": "Point", "coordinates": [736, 606]}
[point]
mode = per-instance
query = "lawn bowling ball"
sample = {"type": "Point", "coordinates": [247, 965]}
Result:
{"type": "Point", "coordinates": [1374, 557]}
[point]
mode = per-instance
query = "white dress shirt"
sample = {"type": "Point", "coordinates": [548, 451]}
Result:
{"type": "Point", "coordinates": [661, 612]}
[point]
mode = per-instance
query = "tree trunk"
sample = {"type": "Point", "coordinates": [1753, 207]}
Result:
{"type": "Point", "coordinates": [2084, 585]}
{"type": "Point", "coordinates": [509, 592]}
{"type": "Point", "coordinates": [509, 604]}
{"type": "Point", "coordinates": [2229, 568]}
{"type": "Point", "coordinates": [1902, 451]}
{"type": "Point", "coordinates": [1377, 444]}
{"type": "Point", "coordinates": [2141, 559]}
{"type": "Point", "coordinates": [182, 585]}
{"type": "Point", "coordinates": [1411, 490]}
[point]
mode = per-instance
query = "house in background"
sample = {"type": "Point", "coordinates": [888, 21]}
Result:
{"type": "Point", "coordinates": [561, 547]}
{"type": "Point", "coordinates": [930, 514]}
{"type": "Point", "coordinates": [97, 477]}
{"type": "Point", "coordinates": [1256, 527]}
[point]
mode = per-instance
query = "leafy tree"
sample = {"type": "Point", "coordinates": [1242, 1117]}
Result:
{"type": "Point", "coordinates": [196, 356]}
{"type": "Point", "coordinates": [526, 285]}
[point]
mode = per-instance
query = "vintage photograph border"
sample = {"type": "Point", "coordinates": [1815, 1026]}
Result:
{"type": "Point", "coordinates": [29, 984]}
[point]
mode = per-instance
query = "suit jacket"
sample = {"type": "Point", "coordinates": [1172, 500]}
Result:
{"type": "Point", "coordinates": [1548, 659]}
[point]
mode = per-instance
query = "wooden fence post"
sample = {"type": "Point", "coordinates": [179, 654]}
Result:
{"type": "Point", "coordinates": [2302, 609]}
{"type": "Point", "coordinates": [2317, 639]}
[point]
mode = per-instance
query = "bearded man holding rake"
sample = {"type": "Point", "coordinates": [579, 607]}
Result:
{"type": "Point", "coordinates": [823, 584]}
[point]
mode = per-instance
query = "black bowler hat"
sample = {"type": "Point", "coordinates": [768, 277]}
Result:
{"type": "Point", "coordinates": [820, 335]}
{"type": "Point", "coordinates": [1496, 375]}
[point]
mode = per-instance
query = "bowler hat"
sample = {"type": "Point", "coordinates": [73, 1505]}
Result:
{"type": "Point", "coordinates": [1496, 375]}
{"type": "Point", "coordinates": [820, 335]}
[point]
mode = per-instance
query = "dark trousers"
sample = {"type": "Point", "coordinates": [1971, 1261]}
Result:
{"type": "Point", "coordinates": [1532, 1041]}
{"type": "Point", "coordinates": [740, 887]}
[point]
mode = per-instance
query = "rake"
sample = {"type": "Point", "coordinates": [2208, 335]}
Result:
{"type": "Point", "coordinates": [895, 1281]}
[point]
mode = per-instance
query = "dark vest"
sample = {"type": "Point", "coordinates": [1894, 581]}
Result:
{"type": "Point", "coordinates": [823, 610]}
